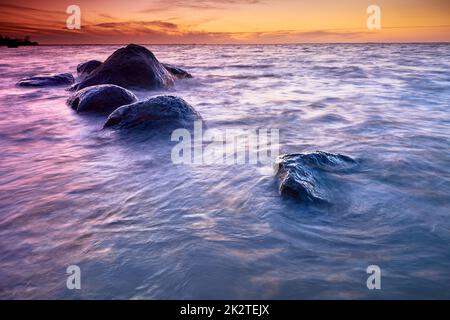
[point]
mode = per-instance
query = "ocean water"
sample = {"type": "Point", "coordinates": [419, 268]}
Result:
{"type": "Point", "coordinates": [139, 226]}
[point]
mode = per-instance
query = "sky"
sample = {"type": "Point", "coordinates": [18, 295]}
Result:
{"type": "Point", "coordinates": [225, 21]}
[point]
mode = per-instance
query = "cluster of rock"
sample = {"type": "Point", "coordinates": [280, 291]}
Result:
{"type": "Point", "coordinates": [104, 87]}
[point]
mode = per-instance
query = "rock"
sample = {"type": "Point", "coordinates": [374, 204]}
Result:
{"type": "Point", "coordinates": [101, 98]}
{"type": "Point", "coordinates": [84, 69]}
{"type": "Point", "coordinates": [177, 72]}
{"type": "Point", "coordinates": [307, 176]}
{"type": "Point", "coordinates": [130, 67]}
{"type": "Point", "coordinates": [47, 80]}
{"type": "Point", "coordinates": [156, 111]}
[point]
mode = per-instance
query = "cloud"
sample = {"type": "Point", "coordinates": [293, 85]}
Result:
{"type": "Point", "coordinates": [166, 5]}
{"type": "Point", "coordinates": [107, 16]}
{"type": "Point", "coordinates": [20, 21]}
{"type": "Point", "coordinates": [18, 9]}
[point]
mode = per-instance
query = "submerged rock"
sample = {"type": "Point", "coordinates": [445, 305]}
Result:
{"type": "Point", "coordinates": [84, 69]}
{"type": "Point", "coordinates": [160, 110]}
{"type": "Point", "coordinates": [47, 80]}
{"type": "Point", "coordinates": [101, 98]}
{"type": "Point", "coordinates": [177, 72]}
{"type": "Point", "coordinates": [131, 67]}
{"type": "Point", "coordinates": [305, 176]}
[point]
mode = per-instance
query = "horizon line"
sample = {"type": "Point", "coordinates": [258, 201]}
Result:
{"type": "Point", "coordinates": [237, 44]}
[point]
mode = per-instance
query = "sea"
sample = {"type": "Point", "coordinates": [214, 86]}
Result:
{"type": "Point", "coordinates": [139, 226]}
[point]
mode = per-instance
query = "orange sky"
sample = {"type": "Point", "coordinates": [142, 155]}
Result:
{"type": "Point", "coordinates": [226, 21]}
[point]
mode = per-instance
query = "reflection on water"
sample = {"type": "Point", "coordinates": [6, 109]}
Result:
{"type": "Point", "coordinates": [141, 227]}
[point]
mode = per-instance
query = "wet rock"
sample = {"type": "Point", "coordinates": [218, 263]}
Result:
{"type": "Point", "coordinates": [156, 111]}
{"type": "Point", "coordinates": [307, 177]}
{"type": "Point", "coordinates": [130, 67]}
{"type": "Point", "coordinates": [47, 80]}
{"type": "Point", "coordinates": [84, 69]}
{"type": "Point", "coordinates": [103, 98]}
{"type": "Point", "coordinates": [177, 72]}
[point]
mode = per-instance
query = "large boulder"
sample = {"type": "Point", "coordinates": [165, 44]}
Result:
{"type": "Point", "coordinates": [104, 98]}
{"type": "Point", "coordinates": [84, 69]}
{"type": "Point", "coordinates": [156, 111]}
{"type": "Point", "coordinates": [47, 80]}
{"type": "Point", "coordinates": [309, 177]}
{"type": "Point", "coordinates": [177, 72]}
{"type": "Point", "coordinates": [131, 67]}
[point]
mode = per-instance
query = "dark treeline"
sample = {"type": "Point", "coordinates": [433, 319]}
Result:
{"type": "Point", "coordinates": [13, 42]}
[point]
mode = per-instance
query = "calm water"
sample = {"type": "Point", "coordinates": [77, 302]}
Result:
{"type": "Point", "coordinates": [141, 227]}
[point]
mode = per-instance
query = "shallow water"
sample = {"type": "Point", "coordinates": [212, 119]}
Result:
{"type": "Point", "coordinates": [141, 227]}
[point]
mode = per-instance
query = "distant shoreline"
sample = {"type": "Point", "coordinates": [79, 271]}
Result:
{"type": "Point", "coordinates": [15, 43]}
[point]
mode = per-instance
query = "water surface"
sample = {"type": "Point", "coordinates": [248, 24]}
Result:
{"type": "Point", "coordinates": [142, 227]}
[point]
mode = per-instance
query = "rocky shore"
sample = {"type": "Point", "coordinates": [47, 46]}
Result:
{"type": "Point", "coordinates": [105, 87]}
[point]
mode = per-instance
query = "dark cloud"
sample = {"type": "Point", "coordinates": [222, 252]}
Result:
{"type": "Point", "coordinates": [107, 16]}
{"type": "Point", "coordinates": [17, 9]}
{"type": "Point", "coordinates": [165, 5]}
{"type": "Point", "coordinates": [130, 25]}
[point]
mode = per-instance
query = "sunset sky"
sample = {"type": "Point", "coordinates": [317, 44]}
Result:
{"type": "Point", "coordinates": [226, 21]}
